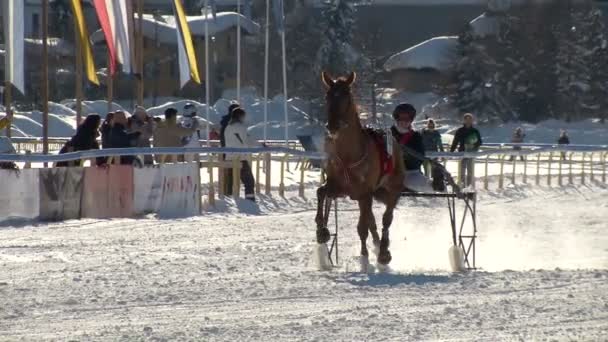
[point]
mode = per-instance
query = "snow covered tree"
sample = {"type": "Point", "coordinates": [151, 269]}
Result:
{"type": "Point", "coordinates": [336, 53]}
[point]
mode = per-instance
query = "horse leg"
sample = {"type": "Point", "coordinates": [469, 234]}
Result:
{"type": "Point", "coordinates": [387, 219]}
{"type": "Point", "coordinates": [365, 213]}
{"type": "Point", "coordinates": [323, 234]}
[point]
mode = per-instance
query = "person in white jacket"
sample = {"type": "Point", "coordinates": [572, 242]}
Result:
{"type": "Point", "coordinates": [237, 137]}
{"type": "Point", "coordinates": [190, 120]}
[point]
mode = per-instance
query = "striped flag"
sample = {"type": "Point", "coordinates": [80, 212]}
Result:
{"type": "Point", "coordinates": [14, 38]}
{"type": "Point", "coordinates": [188, 68]}
{"type": "Point", "coordinates": [116, 20]}
{"type": "Point", "coordinates": [279, 15]}
{"type": "Point", "coordinates": [85, 44]}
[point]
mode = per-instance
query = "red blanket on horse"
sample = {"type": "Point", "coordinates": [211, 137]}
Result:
{"type": "Point", "coordinates": [386, 157]}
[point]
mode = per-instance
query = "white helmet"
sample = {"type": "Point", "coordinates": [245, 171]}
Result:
{"type": "Point", "coordinates": [189, 110]}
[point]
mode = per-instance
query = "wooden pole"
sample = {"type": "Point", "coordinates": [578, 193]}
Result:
{"type": "Point", "coordinates": [8, 94]}
{"type": "Point", "coordinates": [45, 77]}
{"type": "Point", "coordinates": [78, 77]}
{"type": "Point", "coordinates": [549, 169]}
{"type": "Point", "coordinates": [140, 53]}
{"type": "Point", "coordinates": [110, 83]}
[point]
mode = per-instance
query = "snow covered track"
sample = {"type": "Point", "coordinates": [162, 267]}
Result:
{"type": "Point", "coordinates": [245, 277]}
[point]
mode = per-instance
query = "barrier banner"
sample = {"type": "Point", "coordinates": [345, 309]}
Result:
{"type": "Point", "coordinates": [120, 191]}
{"type": "Point", "coordinates": [181, 193]}
{"type": "Point", "coordinates": [108, 192]}
{"type": "Point", "coordinates": [60, 193]}
{"type": "Point", "coordinates": [148, 189]}
{"type": "Point", "coordinates": [19, 194]}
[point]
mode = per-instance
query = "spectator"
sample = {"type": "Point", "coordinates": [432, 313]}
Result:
{"type": "Point", "coordinates": [563, 140]}
{"type": "Point", "coordinates": [223, 124]}
{"type": "Point", "coordinates": [169, 133]}
{"type": "Point", "coordinates": [121, 138]}
{"type": "Point", "coordinates": [237, 137]}
{"type": "Point", "coordinates": [142, 123]}
{"type": "Point", "coordinates": [467, 139]}
{"type": "Point", "coordinates": [518, 138]}
{"type": "Point", "coordinates": [190, 120]}
{"type": "Point", "coordinates": [432, 143]}
{"type": "Point", "coordinates": [84, 139]}
{"type": "Point", "coordinates": [413, 147]}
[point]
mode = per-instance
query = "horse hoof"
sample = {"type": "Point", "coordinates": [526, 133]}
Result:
{"type": "Point", "coordinates": [376, 249]}
{"type": "Point", "coordinates": [385, 258]}
{"type": "Point", "coordinates": [323, 235]}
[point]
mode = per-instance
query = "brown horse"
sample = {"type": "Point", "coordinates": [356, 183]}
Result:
{"type": "Point", "coordinates": [354, 169]}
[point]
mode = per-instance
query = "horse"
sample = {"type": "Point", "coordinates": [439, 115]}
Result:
{"type": "Point", "coordinates": [354, 169]}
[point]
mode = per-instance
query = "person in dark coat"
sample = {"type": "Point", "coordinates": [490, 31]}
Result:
{"type": "Point", "coordinates": [563, 140]}
{"type": "Point", "coordinates": [223, 124]}
{"type": "Point", "coordinates": [120, 138]}
{"type": "Point", "coordinates": [106, 127]}
{"type": "Point", "coordinates": [84, 139]}
{"type": "Point", "coordinates": [467, 139]}
{"type": "Point", "coordinates": [433, 143]}
{"type": "Point", "coordinates": [407, 137]}
{"type": "Point", "coordinates": [517, 138]}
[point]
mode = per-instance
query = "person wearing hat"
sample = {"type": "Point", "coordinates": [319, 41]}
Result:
{"type": "Point", "coordinates": [409, 139]}
{"type": "Point", "coordinates": [142, 123]}
{"type": "Point", "coordinates": [563, 140]}
{"type": "Point", "coordinates": [169, 133]}
{"type": "Point", "coordinates": [190, 120]}
{"type": "Point", "coordinates": [238, 137]}
{"type": "Point", "coordinates": [467, 139]}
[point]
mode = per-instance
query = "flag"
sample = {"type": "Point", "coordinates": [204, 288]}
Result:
{"type": "Point", "coordinates": [14, 38]}
{"type": "Point", "coordinates": [279, 15]}
{"type": "Point", "coordinates": [188, 69]}
{"type": "Point", "coordinates": [85, 44]}
{"type": "Point", "coordinates": [116, 20]}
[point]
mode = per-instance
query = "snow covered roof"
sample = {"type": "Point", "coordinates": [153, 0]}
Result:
{"type": "Point", "coordinates": [165, 27]}
{"type": "Point", "coordinates": [484, 26]}
{"type": "Point", "coordinates": [57, 47]}
{"type": "Point", "coordinates": [433, 53]}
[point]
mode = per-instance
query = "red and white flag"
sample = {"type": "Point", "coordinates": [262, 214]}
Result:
{"type": "Point", "coordinates": [116, 20]}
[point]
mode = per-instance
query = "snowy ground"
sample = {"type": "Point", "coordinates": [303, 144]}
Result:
{"type": "Point", "coordinates": [244, 272]}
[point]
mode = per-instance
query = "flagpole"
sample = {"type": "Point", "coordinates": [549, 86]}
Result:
{"type": "Point", "coordinates": [266, 58]}
{"type": "Point", "coordinates": [110, 83]}
{"type": "Point", "coordinates": [207, 78]}
{"type": "Point", "coordinates": [238, 51]}
{"type": "Point", "coordinates": [8, 94]}
{"type": "Point", "coordinates": [78, 77]}
{"type": "Point", "coordinates": [45, 77]}
{"type": "Point", "coordinates": [140, 52]}
{"type": "Point", "coordinates": [284, 81]}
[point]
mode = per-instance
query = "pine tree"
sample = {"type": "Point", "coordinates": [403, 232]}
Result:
{"type": "Point", "coordinates": [336, 53]}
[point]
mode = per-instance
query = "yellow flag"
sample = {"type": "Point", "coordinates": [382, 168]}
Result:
{"type": "Point", "coordinates": [85, 45]}
{"type": "Point", "coordinates": [185, 45]}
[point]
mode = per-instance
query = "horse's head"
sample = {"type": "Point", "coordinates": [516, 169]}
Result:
{"type": "Point", "coordinates": [340, 103]}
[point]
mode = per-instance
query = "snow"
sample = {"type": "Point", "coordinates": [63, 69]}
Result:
{"type": "Point", "coordinates": [587, 132]}
{"type": "Point", "coordinates": [246, 274]}
{"type": "Point", "coordinates": [433, 53]}
{"type": "Point", "coordinates": [484, 26]}
{"type": "Point", "coordinates": [165, 30]}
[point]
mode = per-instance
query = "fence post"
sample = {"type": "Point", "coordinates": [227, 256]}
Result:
{"type": "Point", "coordinates": [559, 180]}
{"type": "Point", "coordinates": [302, 177]}
{"type": "Point", "coordinates": [604, 161]}
{"type": "Point", "coordinates": [514, 169]}
{"type": "Point", "coordinates": [460, 180]}
{"type": "Point", "coordinates": [526, 169]}
{"type": "Point", "coordinates": [28, 164]}
{"type": "Point", "coordinates": [257, 174]}
{"type": "Point", "coordinates": [549, 169]}
{"type": "Point", "coordinates": [210, 161]}
{"type": "Point", "coordinates": [570, 181]}
{"type": "Point", "coordinates": [501, 176]}
{"type": "Point", "coordinates": [236, 176]}
{"type": "Point", "coordinates": [267, 162]}
{"type": "Point", "coordinates": [591, 167]}
{"type": "Point", "coordinates": [282, 183]}
{"type": "Point", "coordinates": [583, 168]}
{"type": "Point", "coordinates": [538, 169]}
{"type": "Point", "coordinates": [485, 179]}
